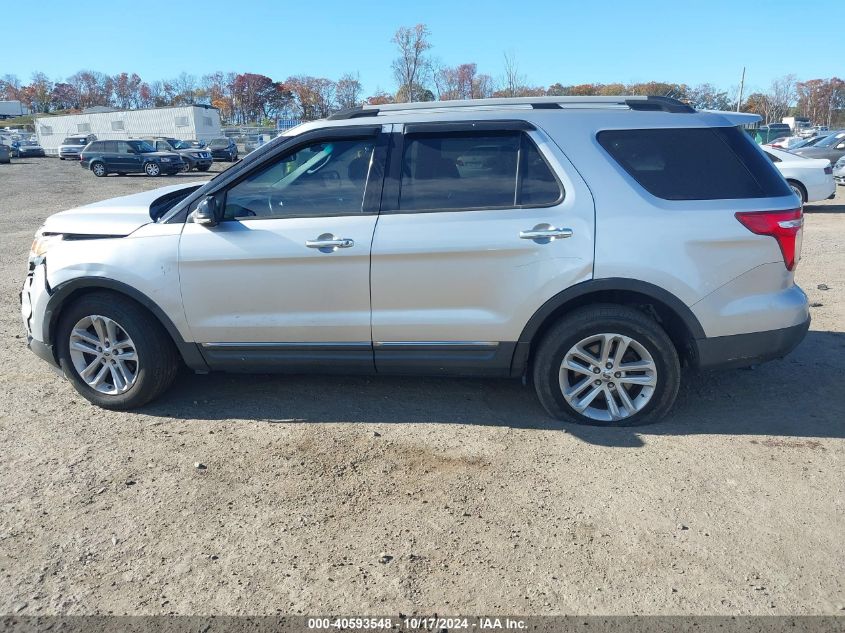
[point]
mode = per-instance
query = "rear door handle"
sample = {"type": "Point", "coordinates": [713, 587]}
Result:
{"type": "Point", "coordinates": [545, 233]}
{"type": "Point", "coordinates": [328, 243]}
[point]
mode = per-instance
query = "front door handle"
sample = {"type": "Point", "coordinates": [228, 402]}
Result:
{"type": "Point", "coordinates": [328, 243]}
{"type": "Point", "coordinates": [545, 233]}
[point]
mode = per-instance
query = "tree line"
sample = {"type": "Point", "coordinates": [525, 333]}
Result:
{"type": "Point", "coordinates": [419, 76]}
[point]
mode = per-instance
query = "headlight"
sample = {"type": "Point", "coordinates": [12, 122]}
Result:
{"type": "Point", "coordinates": [42, 243]}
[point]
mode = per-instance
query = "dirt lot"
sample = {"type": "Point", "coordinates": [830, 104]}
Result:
{"type": "Point", "coordinates": [363, 495]}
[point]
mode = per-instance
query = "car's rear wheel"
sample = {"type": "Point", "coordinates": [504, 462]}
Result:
{"type": "Point", "coordinates": [114, 353]}
{"type": "Point", "coordinates": [799, 190]}
{"type": "Point", "coordinates": [152, 169]}
{"type": "Point", "coordinates": [607, 365]}
{"type": "Point", "coordinates": [99, 169]}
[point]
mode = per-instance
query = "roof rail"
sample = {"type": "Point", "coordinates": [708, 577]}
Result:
{"type": "Point", "coordinates": [646, 103]}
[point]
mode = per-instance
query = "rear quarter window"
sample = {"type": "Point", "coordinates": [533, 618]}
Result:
{"type": "Point", "coordinates": [694, 163]}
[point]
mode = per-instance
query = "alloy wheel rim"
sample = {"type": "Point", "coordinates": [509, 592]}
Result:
{"type": "Point", "coordinates": [99, 170]}
{"type": "Point", "coordinates": [103, 354]}
{"type": "Point", "coordinates": [152, 169]}
{"type": "Point", "coordinates": [608, 377]}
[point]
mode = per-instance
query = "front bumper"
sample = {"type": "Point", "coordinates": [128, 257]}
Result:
{"type": "Point", "coordinates": [744, 350]}
{"type": "Point", "coordinates": [34, 297]}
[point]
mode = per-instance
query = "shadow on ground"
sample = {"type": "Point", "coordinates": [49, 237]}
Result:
{"type": "Point", "coordinates": [824, 208]}
{"type": "Point", "coordinates": [800, 396]}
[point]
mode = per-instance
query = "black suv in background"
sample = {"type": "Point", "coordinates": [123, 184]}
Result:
{"type": "Point", "coordinates": [223, 149]}
{"type": "Point", "coordinates": [195, 158]}
{"type": "Point", "coordinates": [127, 157]}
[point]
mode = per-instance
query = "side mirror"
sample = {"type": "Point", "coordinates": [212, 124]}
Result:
{"type": "Point", "coordinates": [207, 212]}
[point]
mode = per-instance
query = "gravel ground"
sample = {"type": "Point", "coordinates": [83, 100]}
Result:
{"type": "Point", "coordinates": [364, 495]}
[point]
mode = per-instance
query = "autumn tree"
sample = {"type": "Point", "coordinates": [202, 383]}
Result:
{"type": "Point", "coordinates": [39, 92]}
{"type": "Point", "coordinates": [412, 66]}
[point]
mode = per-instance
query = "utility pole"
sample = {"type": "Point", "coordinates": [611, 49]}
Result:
{"type": "Point", "coordinates": [741, 87]}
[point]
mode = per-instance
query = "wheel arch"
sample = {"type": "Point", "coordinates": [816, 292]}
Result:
{"type": "Point", "coordinates": [68, 292]}
{"type": "Point", "coordinates": [800, 185]}
{"type": "Point", "coordinates": [669, 311]}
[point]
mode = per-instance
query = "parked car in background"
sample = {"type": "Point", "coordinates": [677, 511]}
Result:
{"type": "Point", "coordinates": [807, 142]}
{"type": "Point", "coordinates": [129, 157]}
{"type": "Point", "coordinates": [839, 172]}
{"type": "Point", "coordinates": [787, 142]}
{"type": "Point", "coordinates": [831, 147]}
{"type": "Point", "coordinates": [304, 257]}
{"type": "Point", "coordinates": [26, 148]}
{"type": "Point", "coordinates": [5, 154]}
{"type": "Point", "coordinates": [199, 159]}
{"type": "Point", "coordinates": [816, 130]}
{"type": "Point", "coordinates": [223, 149]}
{"type": "Point", "coordinates": [72, 146]}
{"type": "Point", "coordinates": [192, 144]}
{"type": "Point", "coordinates": [810, 178]}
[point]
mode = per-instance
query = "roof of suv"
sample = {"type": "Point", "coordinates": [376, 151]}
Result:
{"type": "Point", "coordinates": [601, 111]}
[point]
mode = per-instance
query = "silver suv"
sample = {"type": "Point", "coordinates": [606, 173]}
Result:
{"type": "Point", "coordinates": [593, 245]}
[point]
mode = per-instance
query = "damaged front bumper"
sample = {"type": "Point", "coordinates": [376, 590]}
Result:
{"type": "Point", "coordinates": [34, 297]}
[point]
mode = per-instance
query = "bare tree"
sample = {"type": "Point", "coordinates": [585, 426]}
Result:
{"type": "Point", "coordinates": [513, 81]}
{"type": "Point", "coordinates": [412, 66]}
{"type": "Point", "coordinates": [781, 95]}
{"type": "Point", "coordinates": [348, 91]}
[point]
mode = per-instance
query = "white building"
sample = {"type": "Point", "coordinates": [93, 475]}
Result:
{"type": "Point", "coordinates": [183, 122]}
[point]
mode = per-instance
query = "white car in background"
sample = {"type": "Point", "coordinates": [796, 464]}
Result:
{"type": "Point", "coordinates": [810, 178]}
{"type": "Point", "coordinates": [788, 142]}
{"type": "Point", "coordinates": [839, 172]}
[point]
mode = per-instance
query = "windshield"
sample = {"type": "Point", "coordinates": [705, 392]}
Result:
{"type": "Point", "coordinates": [220, 142]}
{"type": "Point", "coordinates": [830, 141]}
{"type": "Point", "coordinates": [142, 146]}
{"type": "Point", "coordinates": [75, 140]}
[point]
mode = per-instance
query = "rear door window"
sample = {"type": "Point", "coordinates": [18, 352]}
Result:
{"type": "Point", "coordinates": [695, 163]}
{"type": "Point", "coordinates": [474, 170]}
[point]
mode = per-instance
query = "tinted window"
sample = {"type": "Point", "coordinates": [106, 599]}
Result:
{"type": "Point", "coordinates": [110, 147]}
{"type": "Point", "coordinates": [219, 142]}
{"type": "Point", "coordinates": [96, 146]}
{"type": "Point", "coordinates": [319, 179]}
{"type": "Point", "coordinates": [695, 164]}
{"type": "Point", "coordinates": [471, 170]}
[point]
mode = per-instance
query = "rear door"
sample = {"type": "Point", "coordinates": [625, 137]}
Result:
{"type": "Point", "coordinates": [481, 223]}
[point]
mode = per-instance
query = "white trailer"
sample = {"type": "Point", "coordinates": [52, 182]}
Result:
{"type": "Point", "coordinates": [183, 122]}
{"type": "Point", "coordinates": [12, 109]}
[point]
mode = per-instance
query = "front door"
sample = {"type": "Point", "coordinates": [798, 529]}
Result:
{"type": "Point", "coordinates": [481, 223]}
{"type": "Point", "coordinates": [127, 159]}
{"type": "Point", "coordinates": [283, 281]}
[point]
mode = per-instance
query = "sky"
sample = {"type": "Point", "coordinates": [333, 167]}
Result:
{"type": "Point", "coordinates": [566, 41]}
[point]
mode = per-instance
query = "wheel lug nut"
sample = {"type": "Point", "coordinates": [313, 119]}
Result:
{"type": "Point", "coordinates": [618, 374]}
{"type": "Point", "coordinates": [609, 365]}
{"type": "Point", "coordinates": [596, 370]}
{"type": "Point", "coordinates": [612, 386]}
{"type": "Point", "coordinates": [597, 383]}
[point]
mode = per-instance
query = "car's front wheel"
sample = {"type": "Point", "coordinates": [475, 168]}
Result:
{"type": "Point", "coordinates": [152, 169]}
{"type": "Point", "coordinates": [607, 365]}
{"type": "Point", "coordinates": [114, 353]}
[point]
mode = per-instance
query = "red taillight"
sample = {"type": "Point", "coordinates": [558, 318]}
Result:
{"type": "Point", "coordinates": [781, 225]}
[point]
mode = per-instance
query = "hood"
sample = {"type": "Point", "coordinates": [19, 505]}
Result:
{"type": "Point", "coordinates": [116, 216]}
{"type": "Point", "coordinates": [172, 154]}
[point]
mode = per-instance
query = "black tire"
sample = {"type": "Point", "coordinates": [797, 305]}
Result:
{"type": "Point", "coordinates": [597, 319]}
{"type": "Point", "coordinates": [799, 190]}
{"type": "Point", "coordinates": [121, 173]}
{"type": "Point", "coordinates": [99, 169]}
{"type": "Point", "coordinates": [61, 158]}
{"type": "Point", "coordinates": [157, 360]}
{"type": "Point", "coordinates": [203, 167]}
